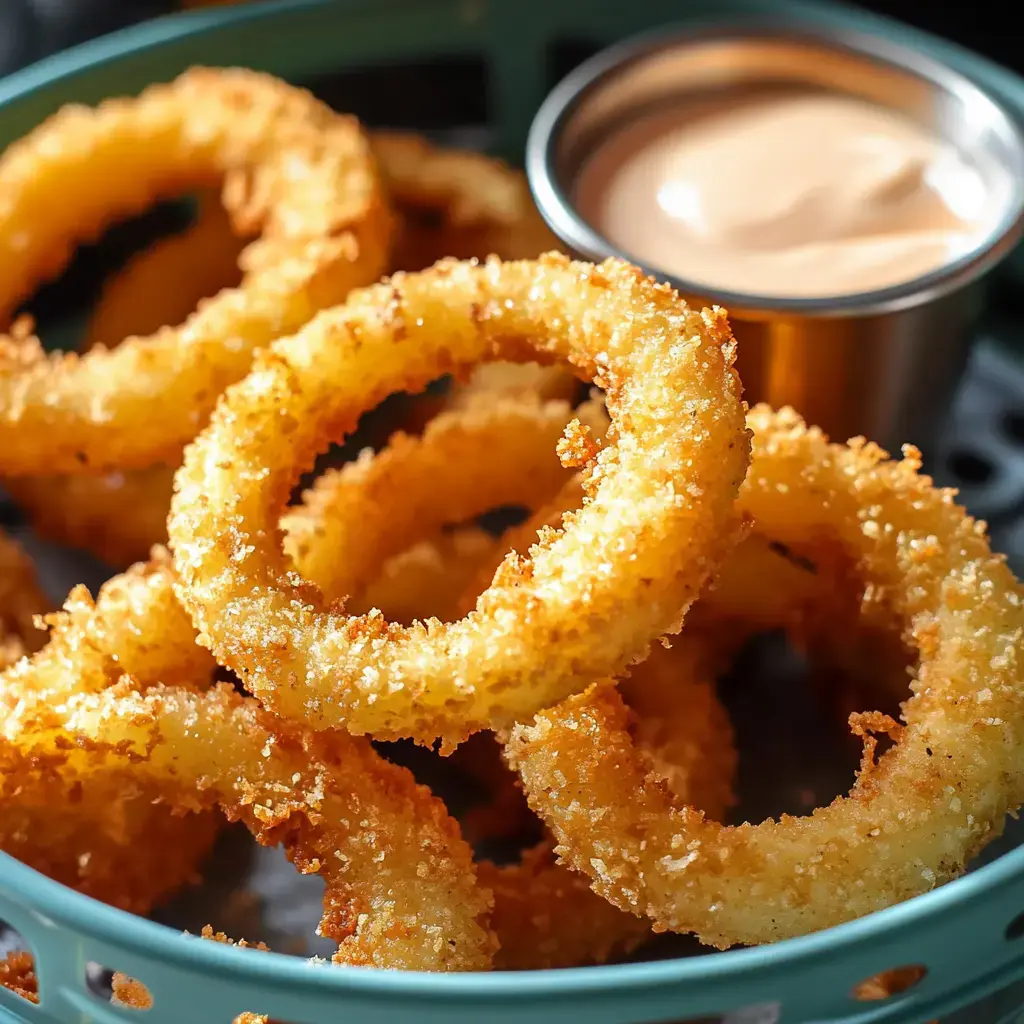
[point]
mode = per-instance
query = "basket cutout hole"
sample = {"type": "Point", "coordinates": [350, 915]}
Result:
{"type": "Point", "coordinates": [17, 964]}
{"type": "Point", "coordinates": [1013, 426]}
{"type": "Point", "coordinates": [887, 984]}
{"type": "Point", "coordinates": [1015, 929]}
{"type": "Point", "coordinates": [970, 467]}
{"type": "Point", "coordinates": [116, 988]}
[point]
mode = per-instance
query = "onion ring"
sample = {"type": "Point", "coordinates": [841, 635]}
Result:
{"type": "Point", "coordinates": [478, 206]}
{"type": "Point", "coordinates": [323, 231]}
{"type": "Point", "coordinates": [374, 490]}
{"type": "Point", "coordinates": [544, 916]}
{"type": "Point", "coordinates": [401, 887]}
{"type": "Point", "coordinates": [104, 837]}
{"type": "Point", "coordinates": [912, 819]}
{"type": "Point", "coordinates": [675, 407]}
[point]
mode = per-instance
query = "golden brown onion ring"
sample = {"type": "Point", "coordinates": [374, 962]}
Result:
{"type": "Point", "coordinates": [912, 820]}
{"type": "Point", "coordinates": [544, 915]}
{"type": "Point", "coordinates": [547, 915]}
{"type": "Point", "coordinates": [401, 887]}
{"type": "Point", "coordinates": [662, 490]}
{"type": "Point", "coordinates": [479, 207]}
{"type": "Point", "coordinates": [294, 172]}
{"type": "Point", "coordinates": [392, 496]}
{"type": "Point", "coordinates": [106, 836]}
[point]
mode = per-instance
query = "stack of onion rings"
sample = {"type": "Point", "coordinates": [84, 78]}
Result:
{"type": "Point", "coordinates": [321, 233]}
{"type": "Point", "coordinates": [913, 819]}
{"type": "Point", "coordinates": [449, 202]}
{"type": "Point", "coordinates": [464, 464]}
{"type": "Point", "coordinates": [339, 809]}
{"type": "Point", "coordinates": [102, 836]}
{"type": "Point", "coordinates": [387, 604]}
{"type": "Point", "coordinates": [678, 433]}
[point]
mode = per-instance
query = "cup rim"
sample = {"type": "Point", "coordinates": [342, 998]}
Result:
{"type": "Point", "coordinates": [557, 209]}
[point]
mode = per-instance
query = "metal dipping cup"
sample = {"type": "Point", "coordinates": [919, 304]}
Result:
{"type": "Point", "coordinates": [883, 364]}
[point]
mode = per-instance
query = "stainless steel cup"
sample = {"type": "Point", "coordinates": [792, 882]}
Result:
{"type": "Point", "coordinates": [884, 363]}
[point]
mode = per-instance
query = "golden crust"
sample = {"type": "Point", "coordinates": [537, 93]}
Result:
{"type": "Point", "coordinates": [321, 233]}
{"type": "Point", "coordinates": [913, 819]}
{"type": "Point", "coordinates": [18, 974]}
{"type": "Point", "coordinates": [401, 888]}
{"type": "Point", "coordinates": [105, 836]}
{"type": "Point", "coordinates": [544, 915]}
{"type": "Point", "coordinates": [663, 488]}
{"type": "Point", "coordinates": [449, 203]}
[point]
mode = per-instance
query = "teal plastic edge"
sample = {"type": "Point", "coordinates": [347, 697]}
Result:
{"type": "Point", "coordinates": [45, 905]}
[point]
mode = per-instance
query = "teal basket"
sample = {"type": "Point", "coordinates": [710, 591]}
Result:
{"type": "Point", "coordinates": [969, 935]}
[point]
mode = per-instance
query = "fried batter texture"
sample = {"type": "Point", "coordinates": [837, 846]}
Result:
{"type": "Point", "coordinates": [300, 176]}
{"type": "Point", "coordinates": [111, 837]}
{"type": "Point", "coordinates": [448, 202]}
{"type": "Point", "coordinates": [545, 916]}
{"type": "Point", "coordinates": [913, 817]}
{"type": "Point", "coordinates": [354, 518]}
{"type": "Point", "coordinates": [401, 886]}
{"type": "Point", "coordinates": [662, 490]}
{"type": "Point", "coordinates": [18, 974]}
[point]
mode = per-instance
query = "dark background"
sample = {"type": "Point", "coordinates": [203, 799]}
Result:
{"type": "Point", "coordinates": [32, 28]}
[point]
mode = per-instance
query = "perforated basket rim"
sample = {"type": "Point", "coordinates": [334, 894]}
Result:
{"type": "Point", "coordinates": [53, 905]}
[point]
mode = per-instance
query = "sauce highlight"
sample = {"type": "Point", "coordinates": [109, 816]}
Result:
{"type": "Point", "coordinates": [784, 193]}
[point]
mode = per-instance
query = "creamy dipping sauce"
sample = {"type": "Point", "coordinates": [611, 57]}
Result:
{"type": "Point", "coordinates": [784, 193]}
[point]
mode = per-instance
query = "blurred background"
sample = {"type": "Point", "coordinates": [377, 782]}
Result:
{"type": "Point", "coordinates": [30, 29]}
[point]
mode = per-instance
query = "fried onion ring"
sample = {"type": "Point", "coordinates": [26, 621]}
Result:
{"type": "Point", "coordinates": [911, 820]}
{"type": "Point", "coordinates": [108, 839]}
{"type": "Point", "coordinates": [544, 915]}
{"type": "Point", "coordinates": [391, 494]}
{"type": "Point", "coordinates": [477, 208]}
{"type": "Point", "coordinates": [662, 490]}
{"type": "Point", "coordinates": [295, 172]}
{"type": "Point", "coordinates": [401, 886]}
